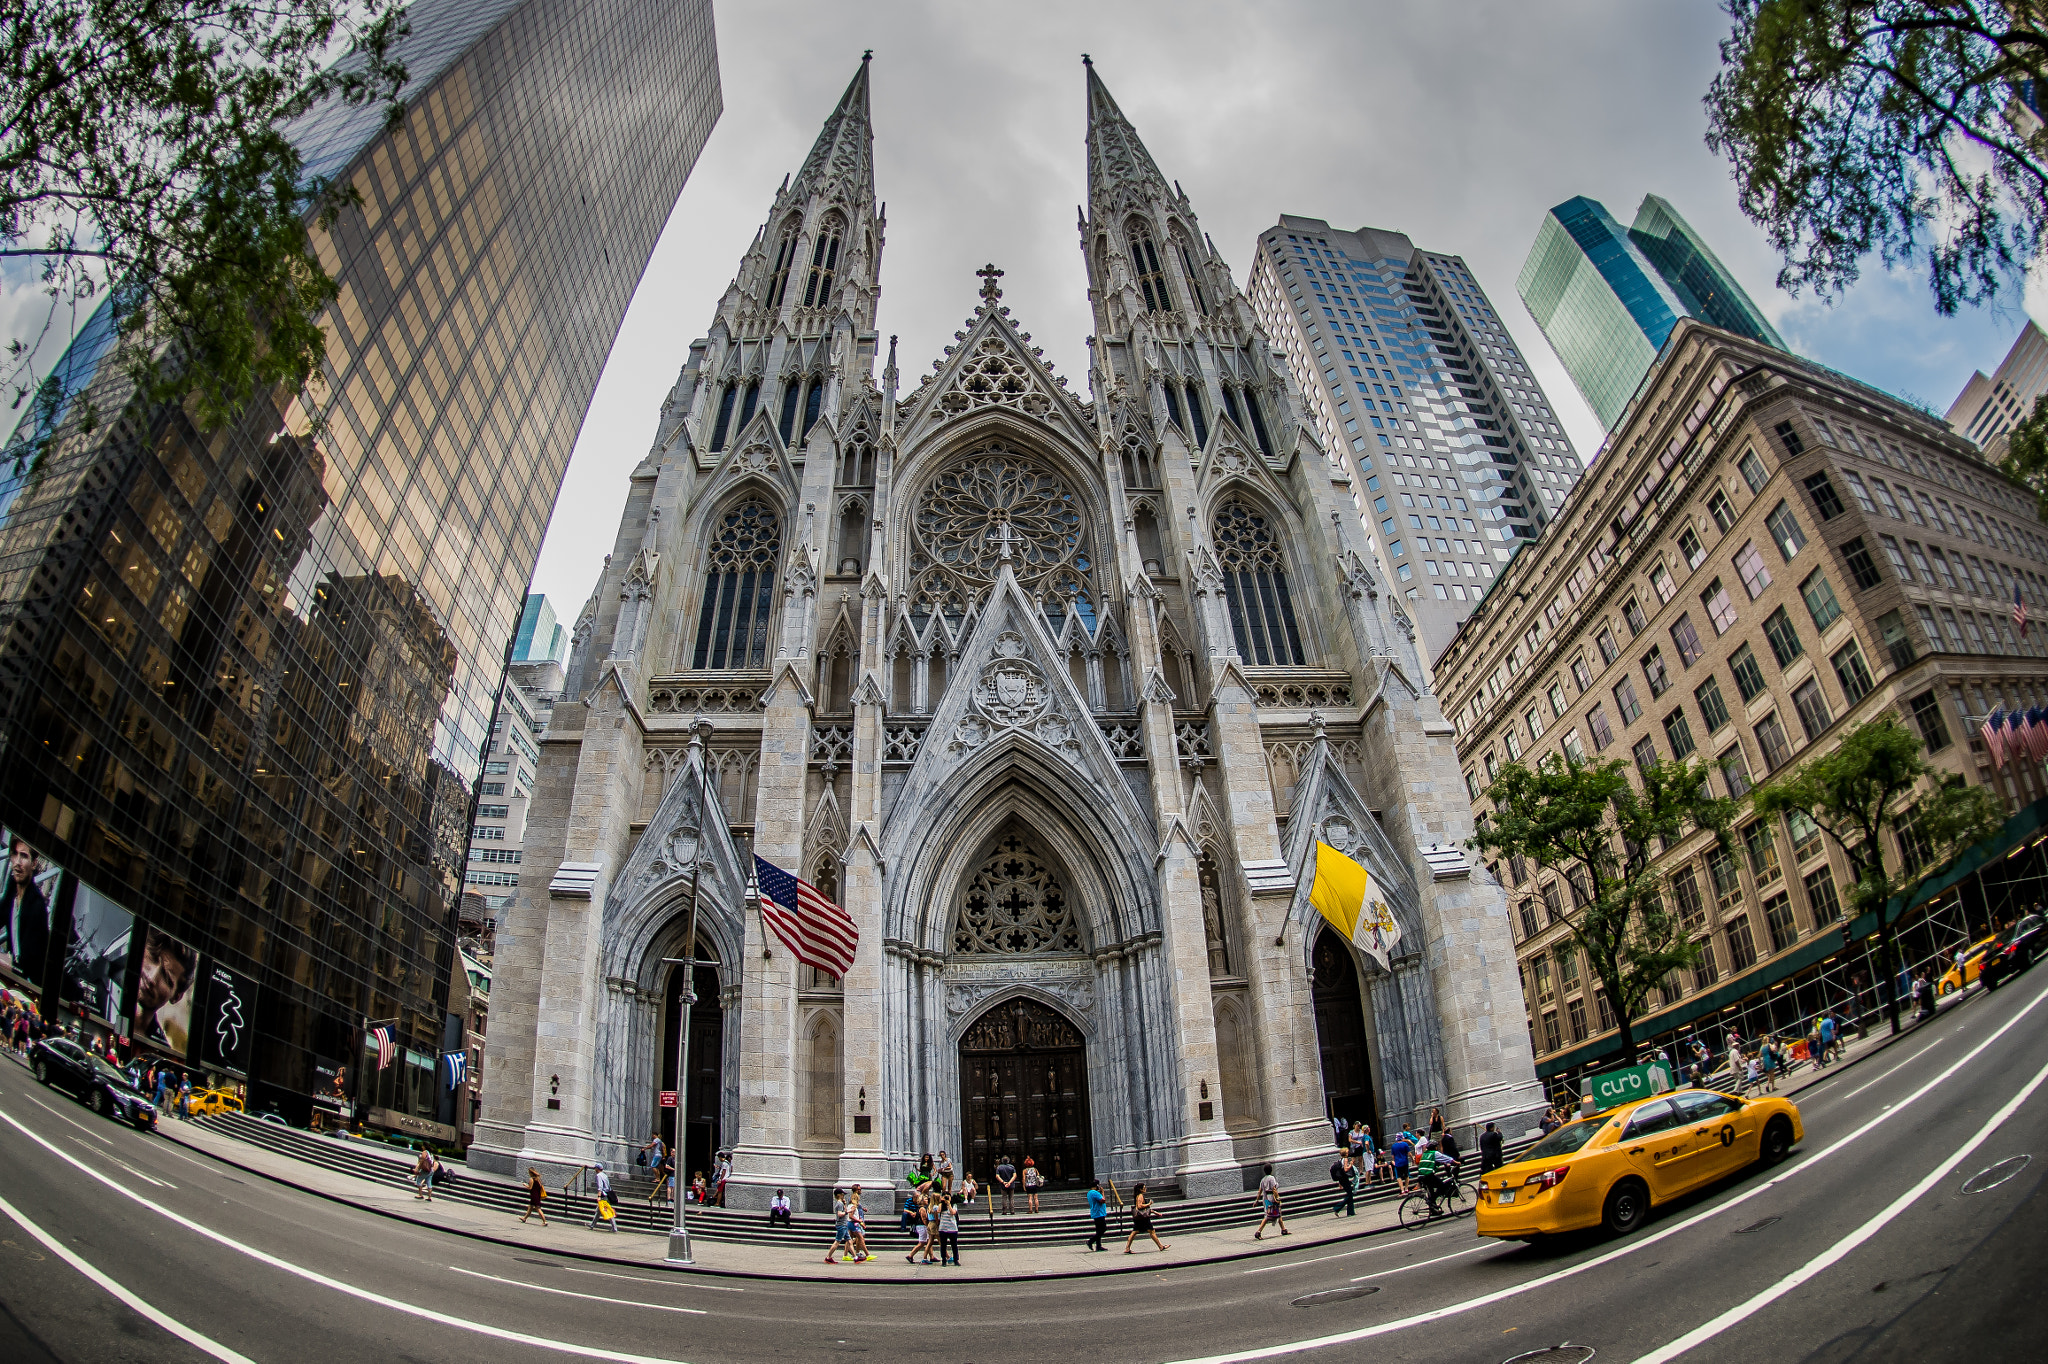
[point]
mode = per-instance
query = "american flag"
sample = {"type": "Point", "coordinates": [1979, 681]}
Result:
{"type": "Point", "coordinates": [818, 932]}
{"type": "Point", "coordinates": [386, 1045]}
{"type": "Point", "coordinates": [2037, 734]}
{"type": "Point", "coordinates": [2019, 610]}
{"type": "Point", "coordinates": [1994, 736]}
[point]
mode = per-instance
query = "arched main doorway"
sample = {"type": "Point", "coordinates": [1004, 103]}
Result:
{"type": "Point", "coordinates": [706, 1097]}
{"type": "Point", "coordinates": [1024, 1092]}
{"type": "Point", "coordinates": [1340, 1034]}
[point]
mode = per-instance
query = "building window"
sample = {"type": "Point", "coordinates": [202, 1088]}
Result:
{"type": "Point", "coordinates": [1573, 749]}
{"type": "Point", "coordinates": [1778, 915]}
{"type": "Point", "coordinates": [1145, 262]}
{"type": "Point", "coordinates": [1784, 640]}
{"type": "Point", "coordinates": [1632, 612]}
{"type": "Point", "coordinates": [1703, 973]}
{"type": "Point", "coordinates": [1770, 735]}
{"type": "Point", "coordinates": [1753, 470]}
{"type": "Point", "coordinates": [1581, 674]}
{"type": "Point", "coordinates": [724, 419]}
{"type": "Point", "coordinates": [1749, 678]}
{"type": "Point", "coordinates": [1824, 499]}
{"type": "Point", "coordinates": [778, 277]}
{"type": "Point", "coordinates": [1727, 880]}
{"type": "Point", "coordinates": [1557, 701]}
{"type": "Point", "coordinates": [494, 812]}
{"type": "Point", "coordinates": [1678, 733]}
{"type": "Point", "coordinates": [1596, 722]}
{"type": "Point", "coordinates": [1927, 715]}
{"type": "Point", "coordinates": [494, 788]}
{"type": "Point", "coordinates": [1723, 511]}
{"type": "Point", "coordinates": [1735, 771]}
{"type": "Point", "coordinates": [1762, 848]}
{"type": "Point", "coordinates": [1788, 434]}
{"type": "Point", "coordinates": [1539, 968]}
{"type": "Point", "coordinates": [1812, 707]}
{"type": "Point", "coordinates": [1553, 903]}
{"type": "Point", "coordinates": [1685, 892]}
{"type": "Point", "coordinates": [1645, 753]}
{"type": "Point", "coordinates": [1551, 1040]}
{"type": "Point", "coordinates": [1898, 644]}
{"type": "Point", "coordinates": [1806, 836]}
{"type": "Point", "coordinates": [1820, 600]}
{"type": "Point", "coordinates": [1720, 610]}
{"type": "Point", "coordinates": [1653, 670]}
{"type": "Point", "coordinates": [1625, 702]}
{"type": "Point", "coordinates": [1712, 708]}
{"type": "Point", "coordinates": [1750, 566]}
{"type": "Point", "coordinates": [1606, 1011]}
{"type": "Point", "coordinates": [1687, 640]}
{"type": "Point", "coordinates": [1784, 528]}
{"type": "Point", "coordinates": [1689, 545]}
{"type": "Point", "coordinates": [824, 265]}
{"type": "Point", "coordinates": [739, 588]}
{"type": "Point", "coordinates": [1255, 584]}
{"type": "Point", "coordinates": [1576, 1010]}
{"type": "Point", "coordinates": [1851, 672]}
{"type": "Point", "coordinates": [1741, 947]}
{"type": "Point", "coordinates": [1535, 719]}
{"type": "Point", "coordinates": [1821, 898]}
{"type": "Point", "coordinates": [1609, 650]}
{"type": "Point", "coordinates": [1661, 583]}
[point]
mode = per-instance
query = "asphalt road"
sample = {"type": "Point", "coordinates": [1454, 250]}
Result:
{"type": "Point", "coordinates": [1864, 1245]}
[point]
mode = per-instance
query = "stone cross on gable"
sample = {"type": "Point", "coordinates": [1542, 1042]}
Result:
{"type": "Point", "coordinates": [989, 275]}
{"type": "Point", "coordinates": [1005, 537]}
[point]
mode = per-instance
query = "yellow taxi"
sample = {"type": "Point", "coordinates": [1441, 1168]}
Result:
{"type": "Point", "coordinates": [1973, 962]}
{"type": "Point", "coordinates": [1612, 1168]}
{"type": "Point", "coordinates": [215, 1101]}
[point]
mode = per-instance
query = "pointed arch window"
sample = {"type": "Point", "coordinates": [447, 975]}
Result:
{"type": "Point", "coordinates": [1173, 402]}
{"type": "Point", "coordinates": [1187, 261]}
{"type": "Point", "coordinates": [1145, 260]}
{"type": "Point", "coordinates": [1258, 416]}
{"type": "Point", "coordinates": [748, 404]}
{"type": "Point", "coordinates": [792, 393]}
{"type": "Point", "coordinates": [1255, 583]}
{"type": "Point", "coordinates": [739, 588]}
{"type": "Point", "coordinates": [814, 398]}
{"type": "Point", "coordinates": [778, 277]}
{"type": "Point", "coordinates": [1230, 405]}
{"type": "Point", "coordinates": [824, 265]}
{"type": "Point", "coordinates": [1196, 415]}
{"type": "Point", "coordinates": [724, 420]}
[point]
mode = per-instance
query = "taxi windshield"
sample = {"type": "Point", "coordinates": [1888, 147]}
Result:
{"type": "Point", "coordinates": [1565, 1140]}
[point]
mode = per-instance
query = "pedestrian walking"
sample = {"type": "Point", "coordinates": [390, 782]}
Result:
{"type": "Point", "coordinates": [536, 1193]}
{"type": "Point", "coordinates": [842, 1230]}
{"type": "Point", "coordinates": [921, 1227]}
{"type": "Point", "coordinates": [1032, 1179]}
{"type": "Point", "coordinates": [1141, 1221]}
{"type": "Point", "coordinates": [603, 1212]}
{"type": "Point", "coordinates": [857, 1229]}
{"type": "Point", "coordinates": [1269, 1204]}
{"type": "Point", "coordinates": [949, 1233]}
{"type": "Point", "coordinates": [1403, 1148]}
{"type": "Point", "coordinates": [1098, 1212]}
{"type": "Point", "coordinates": [1345, 1173]}
{"type": "Point", "coordinates": [1006, 1181]}
{"type": "Point", "coordinates": [423, 1177]}
{"type": "Point", "coordinates": [1490, 1157]}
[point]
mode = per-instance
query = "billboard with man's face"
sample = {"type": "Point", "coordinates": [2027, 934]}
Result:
{"type": "Point", "coordinates": [27, 887]}
{"type": "Point", "coordinates": [163, 990]}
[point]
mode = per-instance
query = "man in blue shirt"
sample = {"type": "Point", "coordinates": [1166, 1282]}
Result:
{"type": "Point", "coordinates": [1403, 1146]}
{"type": "Point", "coordinates": [1098, 1208]}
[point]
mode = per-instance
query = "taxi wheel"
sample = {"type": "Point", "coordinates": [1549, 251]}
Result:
{"type": "Point", "coordinates": [1628, 1206]}
{"type": "Point", "coordinates": [1777, 1141]}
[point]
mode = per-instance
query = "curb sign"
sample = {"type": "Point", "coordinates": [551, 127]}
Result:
{"type": "Point", "coordinates": [1624, 1086]}
{"type": "Point", "coordinates": [668, 1098]}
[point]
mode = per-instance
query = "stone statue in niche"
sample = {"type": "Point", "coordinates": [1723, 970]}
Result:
{"type": "Point", "coordinates": [1212, 924]}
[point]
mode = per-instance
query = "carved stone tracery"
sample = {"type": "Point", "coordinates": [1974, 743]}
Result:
{"type": "Point", "coordinates": [1015, 905]}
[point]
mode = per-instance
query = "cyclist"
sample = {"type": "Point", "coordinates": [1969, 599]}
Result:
{"type": "Point", "coordinates": [1426, 1175]}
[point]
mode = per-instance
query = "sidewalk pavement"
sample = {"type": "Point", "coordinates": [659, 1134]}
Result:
{"type": "Point", "coordinates": [1312, 1223]}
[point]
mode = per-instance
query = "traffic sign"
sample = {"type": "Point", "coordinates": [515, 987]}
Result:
{"type": "Point", "coordinates": [1623, 1086]}
{"type": "Point", "coordinates": [668, 1098]}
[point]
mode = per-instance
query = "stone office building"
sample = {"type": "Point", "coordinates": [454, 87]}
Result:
{"type": "Point", "coordinates": [1766, 555]}
{"type": "Point", "coordinates": [1054, 694]}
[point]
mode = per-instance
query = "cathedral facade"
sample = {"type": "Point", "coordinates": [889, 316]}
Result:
{"type": "Point", "coordinates": [1054, 693]}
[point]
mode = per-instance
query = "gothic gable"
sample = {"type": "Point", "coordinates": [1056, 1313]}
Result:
{"type": "Point", "coordinates": [992, 366]}
{"type": "Point", "coordinates": [756, 451]}
{"type": "Point", "coordinates": [689, 826]}
{"type": "Point", "coordinates": [1328, 808]}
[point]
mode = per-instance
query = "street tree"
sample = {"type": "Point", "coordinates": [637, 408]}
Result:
{"type": "Point", "coordinates": [1899, 127]}
{"type": "Point", "coordinates": [2026, 453]}
{"type": "Point", "coordinates": [144, 160]}
{"type": "Point", "coordinates": [1597, 830]}
{"type": "Point", "coordinates": [1877, 781]}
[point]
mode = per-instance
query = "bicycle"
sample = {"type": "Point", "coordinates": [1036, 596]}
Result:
{"type": "Point", "coordinates": [1455, 1199]}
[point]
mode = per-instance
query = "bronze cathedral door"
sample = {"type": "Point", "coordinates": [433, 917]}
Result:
{"type": "Point", "coordinates": [1024, 1092]}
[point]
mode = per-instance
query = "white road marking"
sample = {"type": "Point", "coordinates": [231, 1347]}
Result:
{"type": "Point", "coordinates": [1699, 1335]}
{"type": "Point", "coordinates": [96, 1136]}
{"type": "Point", "coordinates": [122, 1295]}
{"type": "Point", "coordinates": [147, 1179]}
{"type": "Point", "coordinates": [678, 1281]}
{"type": "Point", "coordinates": [1629, 1248]}
{"type": "Point", "coordinates": [1342, 1255]}
{"type": "Point", "coordinates": [1900, 1066]}
{"type": "Point", "coordinates": [1424, 1264]}
{"type": "Point", "coordinates": [337, 1285]}
{"type": "Point", "coordinates": [590, 1297]}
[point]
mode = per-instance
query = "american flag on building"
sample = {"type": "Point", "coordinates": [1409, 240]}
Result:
{"type": "Point", "coordinates": [386, 1045]}
{"type": "Point", "coordinates": [2019, 610]}
{"type": "Point", "coordinates": [1994, 736]}
{"type": "Point", "coordinates": [816, 931]}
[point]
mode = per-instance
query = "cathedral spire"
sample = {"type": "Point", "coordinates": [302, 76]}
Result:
{"type": "Point", "coordinates": [845, 145]}
{"type": "Point", "coordinates": [1116, 157]}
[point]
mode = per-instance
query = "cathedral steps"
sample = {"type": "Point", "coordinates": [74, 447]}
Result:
{"type": "Point", "coordinates": [1061, 1223]}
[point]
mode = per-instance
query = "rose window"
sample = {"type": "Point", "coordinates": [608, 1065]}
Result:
{"type": "Point", "coordinates": [996, 501]}
{"type": "Point", "coordinates": [1015, 904]}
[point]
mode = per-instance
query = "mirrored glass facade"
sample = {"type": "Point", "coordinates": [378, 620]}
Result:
{"type": "Point", "coordinates": [246, 675]}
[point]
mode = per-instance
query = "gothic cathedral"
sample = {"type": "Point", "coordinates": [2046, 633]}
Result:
{"type": "Point", "coordinates": [1054, 693]}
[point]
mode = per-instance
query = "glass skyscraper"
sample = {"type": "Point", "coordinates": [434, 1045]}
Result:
{"type": "Point", "coordinates": [1607, 298]}
{"type": "Point", "coordinates": [246, 675]}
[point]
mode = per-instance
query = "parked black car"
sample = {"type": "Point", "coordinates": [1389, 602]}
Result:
{"type": "Point", "coordinates": [2015, 951]}
{"type": "Point", "coordinates": [63, 1064]}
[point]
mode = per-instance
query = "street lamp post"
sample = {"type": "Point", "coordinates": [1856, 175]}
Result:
{"type": "Point", "coordinates": [679, 1232]}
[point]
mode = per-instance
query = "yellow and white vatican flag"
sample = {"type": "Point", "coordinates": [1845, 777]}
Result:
{"type": "Point", "coordinates": [1347, 896]}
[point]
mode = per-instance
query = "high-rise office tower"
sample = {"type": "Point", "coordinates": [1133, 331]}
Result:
{"type": "Point", "coordinates": [541, 635]}
{"type": "Point", "coordinates": [246, 675]}
{"type": "Point", "coordinates": [1454, 450]}
{"type": "Point", "coordinates": [1606, 298]}
{"type": "Point", "coordinates": [1988, 408]}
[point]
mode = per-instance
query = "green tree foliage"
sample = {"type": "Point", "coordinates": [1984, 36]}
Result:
{"type": "Point", "coordinates": [1868, 785]}
{"type": "Point", "coordinates": [1888, 126]}
{"type": "Point", "coordinates": [2026, 453]}
{"type": "Point", "coordinates": [143, 154]}
{"type": "Point", "coordinates": [1592, 825]}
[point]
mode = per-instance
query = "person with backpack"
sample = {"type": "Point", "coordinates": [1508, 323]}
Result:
{"type": "Point", "coordinates": [1344, 1173]}
{"type": "Point", "coordinates": [603, 1213]}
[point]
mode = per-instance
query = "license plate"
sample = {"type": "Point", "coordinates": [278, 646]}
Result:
{"type": "Point", "coordinates": [1507, 1196]}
